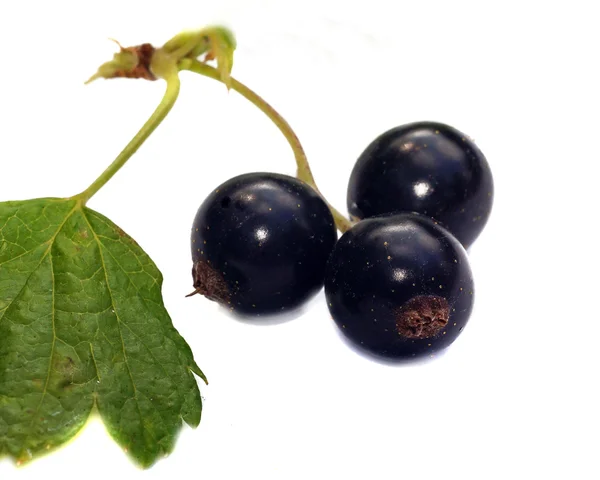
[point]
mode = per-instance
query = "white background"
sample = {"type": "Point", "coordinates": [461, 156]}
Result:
{"type": "Point", "coordinates": [514, 397]}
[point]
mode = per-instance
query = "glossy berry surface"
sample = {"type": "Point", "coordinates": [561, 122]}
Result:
{"type": "Point", "coordinates": [428, 168]}
{"type": "Point", "coordinates": [399, 285]}
{"type": "Point", "coordinates": [260, 243]}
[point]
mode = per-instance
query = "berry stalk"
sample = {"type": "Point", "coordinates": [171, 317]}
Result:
{"type": "Point", "coordinates": [303, 168]}
{"type": "Point", "coordinates": [162, 66]}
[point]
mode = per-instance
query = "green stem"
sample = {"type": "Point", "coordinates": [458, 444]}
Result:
{"type": "Point", "coordinates": [303, 168]}
{"type": "Point", "coordinates": [164, 107]}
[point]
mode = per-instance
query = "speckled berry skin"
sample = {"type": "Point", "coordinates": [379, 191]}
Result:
{"type": "Point", "coordinates": [267, 238]}
{"type": "Point", "coordinates": [428, 168]}
{"type": "Point", "coordinates": [385, 264]}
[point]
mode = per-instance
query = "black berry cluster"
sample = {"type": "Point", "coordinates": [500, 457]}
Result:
{"type": "Point", "coordinates": [397, 283]}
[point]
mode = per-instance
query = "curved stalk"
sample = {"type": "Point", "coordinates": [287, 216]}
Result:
{"type": "Point", "coordinates": [303, 168]}
{"type": "Point", "coordinates": [164, 107]}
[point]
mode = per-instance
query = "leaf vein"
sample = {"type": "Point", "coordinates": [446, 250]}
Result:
{"type": "Point", "coordinates": [143, 299]}
{"type": "Point", "coordinates": [51, 359]}
{"type": "Point", "coordinates": [112, 301]}
{"type": "Point", "coordinates": [51, 243]}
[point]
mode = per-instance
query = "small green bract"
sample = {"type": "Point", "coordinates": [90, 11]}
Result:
{"type": "Point", "coordinates": [83, 326]}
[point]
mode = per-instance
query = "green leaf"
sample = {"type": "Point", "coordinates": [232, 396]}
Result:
{"type": "Point", "coordinates": [83, 326]}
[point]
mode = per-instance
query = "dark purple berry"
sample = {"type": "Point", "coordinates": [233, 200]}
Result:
{"type": "Point", "coordinates": [428, 168]}
{"type": "Point", "coordinates": [399, 285]}
{"type": "Point", "coordinates": [260, 243]}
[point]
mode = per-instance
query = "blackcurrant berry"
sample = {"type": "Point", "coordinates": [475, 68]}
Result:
{"type": "Point", "coordinates": [260, 243]}
{"type": "Point", "coordinates": [399, 285]}
{"type": "Point", "coordinates": [428, 168]}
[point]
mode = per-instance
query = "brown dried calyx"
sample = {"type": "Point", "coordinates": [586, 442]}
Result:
{"type": "Point", "coordinates": [209, 282]}
{"type": "Point", "coordinates": [144, 54]}
{"type": "Point", "coordinates": [129, 62]}
{"type": "Point", "coordinates": [422, 316]}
